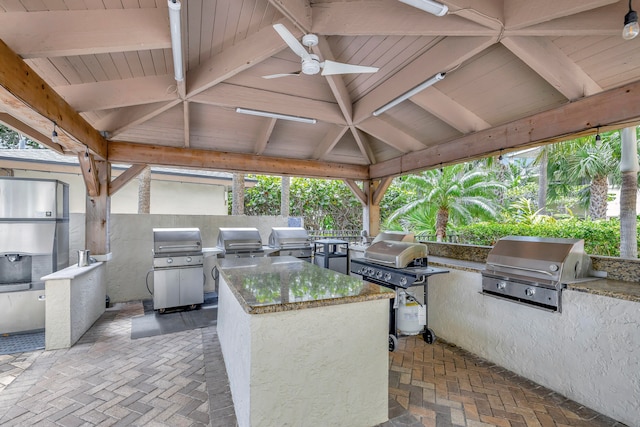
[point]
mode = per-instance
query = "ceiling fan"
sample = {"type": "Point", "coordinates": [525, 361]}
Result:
{"type": "Point", "coordinates": [310, 62]}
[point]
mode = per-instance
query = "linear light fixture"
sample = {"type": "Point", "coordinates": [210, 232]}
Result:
{"type": "Point", "coordinates": [432, 7]}
{"type": "Point", "coordinates": [422, 86]}
{"type": "Point", "coordinates": [276, 115]}
{"type": "Point", "coordinates": [176, 38]}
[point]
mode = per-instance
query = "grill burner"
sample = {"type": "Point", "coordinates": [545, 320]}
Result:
{"type": "Point", "coordinates": [178, 278]}
{"type": "Point", "coordinates": [240, 242]}
{"type": "Point", "coordinates": [534, 270]}
{"type": "Point", "coordinates": [397, 265]}
{"type": "Point", "coordinates": [293, 241]}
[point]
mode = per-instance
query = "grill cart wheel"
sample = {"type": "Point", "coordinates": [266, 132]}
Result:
{"type": "Point", "coordinates": [428, 336]}
{"type": "Point", "coordinates": [393, 342]}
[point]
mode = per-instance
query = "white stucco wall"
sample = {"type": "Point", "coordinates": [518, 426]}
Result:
{"type": "Point", "coordinates": [589, 353]}
{"type": "Point", "coordinates": [325, 366]}
{"type": "Point", "coordinates": [75, 299]}
{"type": "Point", "coordinates": [132, 242]}
{"type": "Point", "coordinates": [167, 197]}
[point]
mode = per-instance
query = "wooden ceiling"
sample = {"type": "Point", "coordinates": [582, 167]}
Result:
{"type": "Point", "coordinates": [518, 73]}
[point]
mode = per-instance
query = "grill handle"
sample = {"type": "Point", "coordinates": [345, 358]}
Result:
{"type": "Point", "coordinates": [534, 270]}
{"type": "Point", "coordinates": [379, 261]}
{"type": "Point", "coordinates": [178, 247]}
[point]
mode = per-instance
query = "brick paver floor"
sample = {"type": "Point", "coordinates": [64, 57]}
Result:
{"type": "Point", "coordinates": [179, 379]}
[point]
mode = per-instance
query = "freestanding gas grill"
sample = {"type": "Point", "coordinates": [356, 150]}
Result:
{"type": "Point", "coordinates": [240, 243]}
{"type": "Point", "coordinates": [397, 265]}
{"type": "Point", "coordinates": [178, 278]}
{"type": "Point", "coordinates": [292, 241]}
{"type": "Point", "coordinates": [534, 270]}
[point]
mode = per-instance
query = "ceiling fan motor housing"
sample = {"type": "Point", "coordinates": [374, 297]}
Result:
{"type": "Point", "coordinates": [311, 66]}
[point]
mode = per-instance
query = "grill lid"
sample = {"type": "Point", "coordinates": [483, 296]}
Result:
{"type": "Point", "coordinates": [395, 254]}
{"type": "Point", "coordinates": [239, 239]}
{"type": "Point", "coordinates": [394, 235]}
{"type": "Point", "coordinates": [289, 237]}
{"type": "Point", "coordinates": [176, 241]}
{"type": "Point", "coordinates": [540, 258]}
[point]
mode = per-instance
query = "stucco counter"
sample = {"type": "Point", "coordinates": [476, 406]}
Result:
{"type": "Point", "coordinates": [303, 345]}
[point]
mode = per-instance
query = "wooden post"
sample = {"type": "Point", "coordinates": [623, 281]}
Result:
{"type": "Point", "coordinates": [98, 209]}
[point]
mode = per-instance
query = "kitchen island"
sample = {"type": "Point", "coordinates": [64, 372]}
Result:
{"type": "Point", "coordinates": [303, 345]}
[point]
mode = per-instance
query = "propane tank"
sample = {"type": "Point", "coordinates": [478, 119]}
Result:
{"type": "Point", "coordinates": [411, 314]}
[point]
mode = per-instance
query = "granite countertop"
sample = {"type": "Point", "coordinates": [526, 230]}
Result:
{"type": "Point", "coordinates": [283, 283]}
{"type": "Point", "coordinates": [629, 291]}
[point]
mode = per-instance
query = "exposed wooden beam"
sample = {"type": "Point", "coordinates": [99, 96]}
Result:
{"type": "Point", "coordinates": [444, 56]}
{"type": "Point", "coordinates": [231, 96]}
{"type": "Point", "coordinates": [523, 13]}
{"type": "Point", "coordinates": [389, 17]}
{"type": "Point", "coordinates": [187, 124]}
{"type": "Point", "coordinates": [89, 174]}
{"type": "Point", "coordinates": [30, 132]}
{"type": "Point", "coordinates": [98, 211]}
{"type": "Point", "coordinates": [616, 107]}
{"type": "Point", "coordinates": [449, 111]}
{"type": "Point", "coordinates": [391, 135]}
{"type": "Point", "coordinates": [381, 188]}
{"type": "Point", "coordinates": [331, 138]}
{"type": "Point", "coordinates": [264, 135]}
{"type": "Point", "coordinates": [239, 57]}
{"type": "Point", "coordinates": [546, 59]}
{"type": "Point", "coordinates": [26, 88]}
{"type": "Point", "coordinates": [84, 32]}
{"type": "Point", "coordinates": [127, 117]}
{"type": "Point", "coordinates": [362, 140]}
{"type": "Point", "coordinates": [488, 13]}
{"type": "Point", "coordinates": [357, 191]}
{"type": "Point", "coordinates": [125, 152]}
{"type": "Point", "coordinates": [124, 178]}
{"type": "Point", "coordinates": [297, 11]}
{"type": "Point", "coordinates": [119, 93]}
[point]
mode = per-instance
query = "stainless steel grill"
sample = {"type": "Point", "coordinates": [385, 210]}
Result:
{"type": "Point", "coordinates": [534, 270]}
{"type": "Point", "coordinates": [240, 242]}
{"type": "Point", "coordinates": [292, 241]}
{"type": "Point", "coordinates": [397, 265]}
{"type": "Point", "coordinates": [178, 278]}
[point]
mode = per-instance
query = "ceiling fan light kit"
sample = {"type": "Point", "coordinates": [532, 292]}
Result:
{"type": "Point", "coordinates": [433, 7]}
{"type": "Point", "coordinates": [276, 115]}
{"type": "Point", "coordinates": [310, 63]}
{"type": "Point", "coordinates": [422, 86]}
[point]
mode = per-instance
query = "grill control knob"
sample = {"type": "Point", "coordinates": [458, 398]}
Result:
{"type": "Point", "coordinates": [169, 260]}
{"type": "Point", "coordinates": [188, 259]}
{"type": "Point", "coordinates": [501, 285]}
{"type": "Point", "coordinates": [379, 274]}
{"type": "Point", "coordinates": [529, 292]}
{"type": "Point", "coordinates": [403, 281]}
{"type": "Point", "coordinates": [387, 276]}
{"type": "Point", "coordinates": [553, 267]}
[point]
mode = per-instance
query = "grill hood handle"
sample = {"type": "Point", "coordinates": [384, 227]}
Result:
{"type": "Point", "coordinates": [534, 270]}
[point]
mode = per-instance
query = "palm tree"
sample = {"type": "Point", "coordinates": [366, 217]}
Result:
{"type": "Point", "coordinates": [452, 194]}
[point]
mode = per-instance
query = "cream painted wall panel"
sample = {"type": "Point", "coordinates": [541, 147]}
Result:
{"type": "Point", "coordinates": [588, 353]}
{"type": "Point", "coordinates": [167, 197]}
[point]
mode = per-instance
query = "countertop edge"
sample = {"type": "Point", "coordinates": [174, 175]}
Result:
{"type": "Point", "coordinates": [628, 291]}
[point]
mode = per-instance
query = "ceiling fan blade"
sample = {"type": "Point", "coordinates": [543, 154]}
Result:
{"type": "Point", "coordinates": [332, 67]}
{"type": "Point", "coordinates": [275, 76]}
{"type": "Point", "coordinates": [292, 41]}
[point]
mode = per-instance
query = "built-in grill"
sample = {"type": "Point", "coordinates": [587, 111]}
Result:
{"type": "Point", "coordinates": [397, 265]}
{"type": "Point", "coordinates": [534, 270]}
{"type": "Point", "coordinates": [240, 243]}
{"type": "Point", "coordinates": [178, 278]}
{"type": "Point", "coordinates": [291, 241]}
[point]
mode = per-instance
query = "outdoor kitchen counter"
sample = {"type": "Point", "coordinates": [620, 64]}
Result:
{"type": "Point", "coordinates": [303, 345]}
{"type": "Point", "coordinates": [273, 284]}
{"type": "Point", "coordinates": [629, 291]}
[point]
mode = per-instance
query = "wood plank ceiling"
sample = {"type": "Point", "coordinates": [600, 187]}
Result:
{"type": "Point", "coordinates": [518, 73]}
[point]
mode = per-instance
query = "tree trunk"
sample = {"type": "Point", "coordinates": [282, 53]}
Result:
{"type": "Point", "coordinates": [543, 182]}
{"type": "Point", "coordinates": [144, 191]}
{"type": "Point", "coordinates": [598, 202]}
{"type": "Point", "coordinates": [442, 219]}
{"type": "Point", "coordinates": [629, 194]}
{"type": "Point", "coordinates": [237, 206]}
{"type": "Point", "coordinates": [284, 196]}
